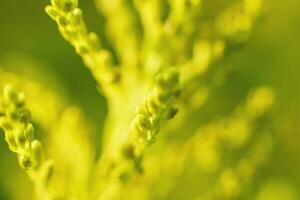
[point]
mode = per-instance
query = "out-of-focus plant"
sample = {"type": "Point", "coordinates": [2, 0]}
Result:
{"type": "Point", "coordinates": [165, 60]}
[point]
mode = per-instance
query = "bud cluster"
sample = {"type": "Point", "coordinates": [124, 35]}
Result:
{"type": "Point", "coordinates": [157, 107]}
{"type": "Point", "coordinates": [19, 132]}
{"type": "Point", "coordinates": [69, 19]}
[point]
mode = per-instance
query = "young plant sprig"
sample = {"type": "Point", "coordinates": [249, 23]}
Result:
{"type": "Point", "coordinates": [116, 171]}
{"type": "Point", "coordinates": [157, 107]}
{"type": "Point", "coordinates": [73, 29]}
{"type": "Point", "coordinates": [19, 135]}
{"type": "Point", "coordinates": [154, 111]}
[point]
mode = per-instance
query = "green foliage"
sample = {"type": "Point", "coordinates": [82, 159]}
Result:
{"type": "Point", "coordinates": [161, 65]}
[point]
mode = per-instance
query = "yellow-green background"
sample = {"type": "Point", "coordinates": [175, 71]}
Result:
{"type": "Point", "coordinates": [271, 58]}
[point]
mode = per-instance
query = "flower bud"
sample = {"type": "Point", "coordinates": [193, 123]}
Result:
{"type": "Point", "coordinates": [172, 112]}
{"type": "Point", "coordinates": [24, 115]}
{"type": "Point", "coordinates": [128, 151]}
{"type": "Point", "coordinates": [168, 79]}
{"type": "Point", "coordinates": [141, 126]}
{"type": "Point", "coordinates": [10, 95]}
{"type": "Point", "coordinates": [36, 147]}
{"type": "Point", "coordinates": [10, 139]}
{"type": "Point", "coordinates": [81, 49]}
{"type": "Point", "coordinates": [57, 3]}
{"type": "Point", "coordinates": [76, 17]}
{"type": "Point", "coordinates": [94, 41]}
{"type": "Point", "coordinates": [25, 162]}
{"type": "Point", "coordinates": [143, 123]}
{"type": "Point", "coordinates": [21, 100]}
{"type": "Point", "coordinates": [172, 76]}
{"type": "Point", "coordinates": [69, 5]}
{"type": "Point", "coordinates": [20, 137]}
{"type": "Point", "coordinates": [12, 113]}
{"type": "Point", "coordinates": [52, 12]}
{"type": "Point", "coordinates": [5, 124]}
{"type": "Point", "coordinates": [62, 21]}
{"type": "Point", "coordinates": [152, 106]}
{"type": "Point", "coordinates": [29, 132]}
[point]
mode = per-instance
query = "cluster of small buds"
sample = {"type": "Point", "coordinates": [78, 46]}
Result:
{"type": "Point", "coordinates": [157, 107]}
{"type": "Point", "coordinates": [70, 22]}
{"type": "Point", "coordinates": [19, 132]}
{"type": "Point", "coordinates": [71, 25]}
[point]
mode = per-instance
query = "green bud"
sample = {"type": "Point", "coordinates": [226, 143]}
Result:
{"type": "Point", "coordinates": [21, 100]}
{"type": "Point", "coordinates": [20, 137]}
{"type": "Point", "coordinates": [143, 123]}
{"type": "Point", "coordinates": [172, 112]}
{"type": "Point", "coordinates": [81, 50]}
{"type": "Point", "coordinates": [161, 98]}
{"type": "Point", "coordinates": [24, 115]}
{"type": "Point", "coordinates": [124, 176]}
{"type": "Point", "coordinates": [62, 21]}
{"type": "Point", "coordinates": [105, 58]}
{"type": "Point", "coordinates": [172, 76]}
{"type": "Point", "coordinates": [10, 139]}
{"type": "Point", "coordinates": [57, 3]}
{"type": "Point", "coordinates": [150, 139]}
{"type": "Point", "coordinates": [52, 12]}
{"type": "Point", "coordinates": [116, 76]}
{"type": "Point", "coordinates": [168, 79]}
{"type": "Point", "coordinates": [36, 147]}
{"type": "Point", "coordinates": [160, 80]}
{"type": "Point", "coordinates": [5, 124]}
{"type": "Point", "coordinates": [128, 151]}
{"type": "Point", "coordinates": [152, 106]}
{"type": "Point", "coordinates": [10, 95]}
{"type": "Point", "coordinates": [67, 34]}
{"type": "Point", "coordinates": [12, 113]}
{"type": "Point", "coordinates": [141, 126]}
{"type": "Point", "coordinates": [29, 132]}
{"type": "Point", "coordinates": [177, 91]}
{"type": "Point", "coordinates": [140, 133]}
{"type": "Point", "coordinates": [94, 41]}
{"type": "Point", "coordinates": [69, 5]}
{"type": "Point", "coordinates": [76, 17]}
{"type": "Point", "coordinates": [25, 162]}
{"type": "Point", "coordinates": [138, 165]}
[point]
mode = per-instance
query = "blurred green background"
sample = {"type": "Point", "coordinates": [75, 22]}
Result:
{"type": "Point", "coordinates": [271, 58]}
